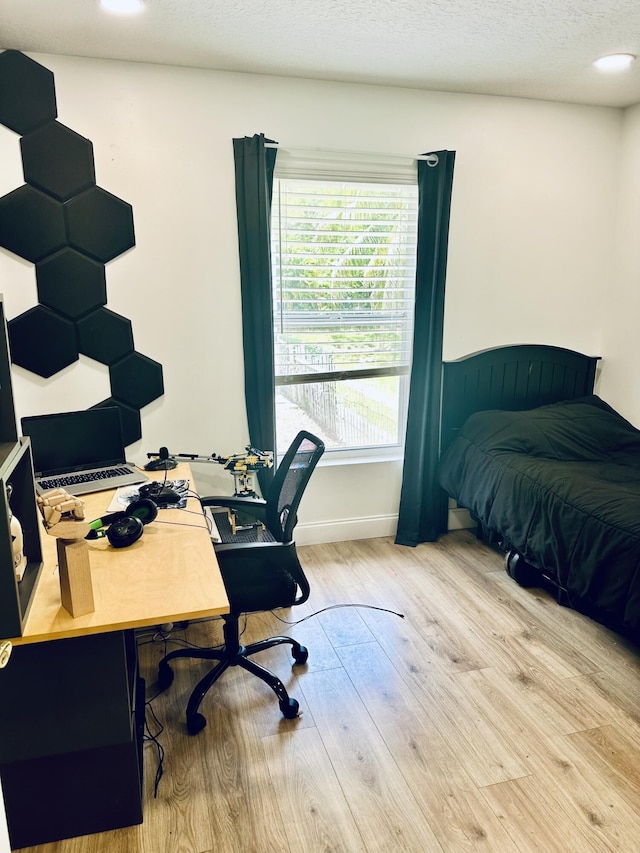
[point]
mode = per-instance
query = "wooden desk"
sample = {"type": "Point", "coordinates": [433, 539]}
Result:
{"type": "Point", "coordinates": [168, 575]}
{"type": "Point", "coordinates": [72, 707]}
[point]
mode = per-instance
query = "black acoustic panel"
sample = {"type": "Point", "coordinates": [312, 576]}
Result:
{"type": "Point", "coordinates": [71, 283]}
{"type": "Point", "coordinates": [27, 93]}
{"type": "Point", "coordinates": [42, 341]}
{"type": "Point", "coordinates": [58, 161]}
{"type": "Point", "coordinates": [136, 380]}
{"type": "Point", "coordinates": [69, 228]}
{"type": "Point", "coordinates": [31, 224]}
{"type": "Point", "coordinates": [100, 224]}
{"type": "Point", "coordinates": [105, 336]}
{"type": "Point", "coordinates": [131, 422]}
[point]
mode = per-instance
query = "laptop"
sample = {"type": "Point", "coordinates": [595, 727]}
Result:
{"type": "Point", "coordinates": [79, 452]}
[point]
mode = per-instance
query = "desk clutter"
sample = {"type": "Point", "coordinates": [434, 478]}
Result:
{"type": "Point", "coordinates": [130, 510]}
{"type": "Point", "coordinates": [243, 467]}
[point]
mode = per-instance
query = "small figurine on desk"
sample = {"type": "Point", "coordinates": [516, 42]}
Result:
{"type": "Point", "coordinates": [62, 512]}
{"type": "Point", "coordinates": [63, 516]}
{"type": "Point", "coordinates": [17, 539]}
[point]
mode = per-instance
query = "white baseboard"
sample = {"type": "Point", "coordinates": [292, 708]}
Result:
{"type": "Point", "coordinates": [372, 527]}
{"type": "Point", "coordinates": [341, 530]}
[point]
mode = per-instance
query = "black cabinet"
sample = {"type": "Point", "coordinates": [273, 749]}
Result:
{"type": "Point", "coordinates": [72, 764]}
{"type": "Point", "coordinates": [16, 475]}
{"type": "Point", "coordinates": [71, 710]}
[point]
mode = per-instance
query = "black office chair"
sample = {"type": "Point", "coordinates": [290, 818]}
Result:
{"type": "Point", "coordinates": [261, 571]}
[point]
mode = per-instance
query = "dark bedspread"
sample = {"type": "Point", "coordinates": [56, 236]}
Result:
{"type": "Point", "coordinates": [561, 485]}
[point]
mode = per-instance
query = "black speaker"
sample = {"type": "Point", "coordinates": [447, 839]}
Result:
{"type": "Point", "coordinates": [125, 527]}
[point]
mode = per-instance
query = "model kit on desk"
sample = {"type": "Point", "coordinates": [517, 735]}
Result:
{"type": "Point", "coordinates": [242, 466]}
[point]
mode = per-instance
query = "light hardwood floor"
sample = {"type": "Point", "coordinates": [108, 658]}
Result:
{"type": "Point", "coordinates": [487, 719]}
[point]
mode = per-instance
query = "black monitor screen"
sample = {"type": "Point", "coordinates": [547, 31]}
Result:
{"type": "Point", "coordinates": [71, 441]}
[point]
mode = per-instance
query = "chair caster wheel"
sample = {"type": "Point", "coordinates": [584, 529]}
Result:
{"type": "Point", "coordinates": [300, 656]}
{"type": "Point", "coordinates": [165, 675]}
{"type": "Point", "coordinates": [195, 723]}
{"type": "Point", "coordinates": [290, 709]}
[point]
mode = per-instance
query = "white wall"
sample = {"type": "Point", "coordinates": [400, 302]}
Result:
{"type": "Point", "coordinates": [530, 245]}
{"type": "Point", "coordinates": [620, 384]}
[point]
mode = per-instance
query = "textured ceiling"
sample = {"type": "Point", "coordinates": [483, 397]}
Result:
{"type": "Point", "coordinates": [524, 48]}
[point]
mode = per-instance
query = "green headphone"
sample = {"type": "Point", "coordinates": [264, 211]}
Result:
{"type": "Point", "coordinates": [125, 527]}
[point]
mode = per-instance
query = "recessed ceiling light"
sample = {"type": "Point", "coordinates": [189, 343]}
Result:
{"type": "Point", "coordinates": [614, 61]}
{"type": "Point", "coordinates": [122, 7]}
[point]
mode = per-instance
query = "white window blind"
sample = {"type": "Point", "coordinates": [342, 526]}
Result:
{"type": "Point", "coordinates": [344, 275]}
{"type": "Point", "coordinates": [320, 165]}
{"type": "Point", "coordinates": [343, 243]}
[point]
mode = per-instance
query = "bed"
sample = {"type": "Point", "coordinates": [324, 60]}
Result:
{"type": "Point", "coordinates": [550, 473]}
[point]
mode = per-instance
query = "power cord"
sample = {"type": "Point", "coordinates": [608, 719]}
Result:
{"type": "Point", "coordinates": [165, 638]}
{"type": "Point", "coordinates": [149, 736]}
{"type": "Point", "coordinates": [154, 738]}
{"type": "Point", "coordinates": [334, 607]}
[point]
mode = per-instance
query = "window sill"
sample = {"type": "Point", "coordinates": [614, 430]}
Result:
{"type": "Point", "coordinates": [333, 460]}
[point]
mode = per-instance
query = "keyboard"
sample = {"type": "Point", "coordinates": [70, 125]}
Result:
{"type": "Point", "coordinates": [86, 477]}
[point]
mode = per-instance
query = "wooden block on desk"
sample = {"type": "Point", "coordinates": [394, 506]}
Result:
{"type": "Point", "coordinates": [75, 576]}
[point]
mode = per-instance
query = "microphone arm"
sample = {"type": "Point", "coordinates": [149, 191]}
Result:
{"type": "Point", "coordinates": [194, 457]}
{"type": "Point", "coordinates": [251, 459]}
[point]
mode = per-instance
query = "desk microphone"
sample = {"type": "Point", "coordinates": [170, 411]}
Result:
{"type": "Point", "coordinates": [160, 461]}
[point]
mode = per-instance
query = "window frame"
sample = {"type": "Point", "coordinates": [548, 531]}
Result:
{"type": "Point", "coordinates": [340, 167]}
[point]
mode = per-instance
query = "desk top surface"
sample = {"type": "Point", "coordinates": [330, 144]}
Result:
{"type": "Point", "coordinates": [169, 575]}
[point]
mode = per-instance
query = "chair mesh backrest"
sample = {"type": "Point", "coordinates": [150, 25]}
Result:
{"type": "Point", "coordinates": [289, 483]}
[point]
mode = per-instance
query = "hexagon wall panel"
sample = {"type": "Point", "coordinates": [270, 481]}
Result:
{"type": "Point", "coordinates": [99, 224]}
{"type": "Point", "coordinates": [69, 228]}
{"type": "Point", "coordinates": [131, 423]}
{"type": "Point", "coordinates": [31, 224]}
{"type": "Point", "coordinates": [42, 341]}
{"type": "Point", "coordinates": [105, 336]}
{"type": "Point", "coordinates": [58, 161]}
{"type": "Point", "coordinates": [27, 93]}
{"type": "Point", "coordinates": [136, 380]}
{"type": "Point", "coordinates": [71, 283]}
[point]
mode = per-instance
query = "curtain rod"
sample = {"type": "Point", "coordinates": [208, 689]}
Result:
{"type": "Point", "coordinates": [431, 159]}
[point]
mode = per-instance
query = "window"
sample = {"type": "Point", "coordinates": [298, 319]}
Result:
{"type": "Point", "coordinates": [343, 255]}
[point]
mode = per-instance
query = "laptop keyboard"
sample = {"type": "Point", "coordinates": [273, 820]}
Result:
{"type": "Point", "coordinates": [76, 479]}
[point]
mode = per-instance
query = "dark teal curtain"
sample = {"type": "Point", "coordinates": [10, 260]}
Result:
{"type": "Point", "coordinates": [420, 518]}
{"type": "Point", "coordinates": [254, 164]}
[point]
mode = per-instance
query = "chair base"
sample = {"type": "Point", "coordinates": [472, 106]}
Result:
{"type": "Point", "coordinates": [232, 653]}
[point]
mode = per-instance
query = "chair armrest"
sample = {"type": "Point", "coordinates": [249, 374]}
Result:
{"type": "Point", "coordinates": [258, 547]}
